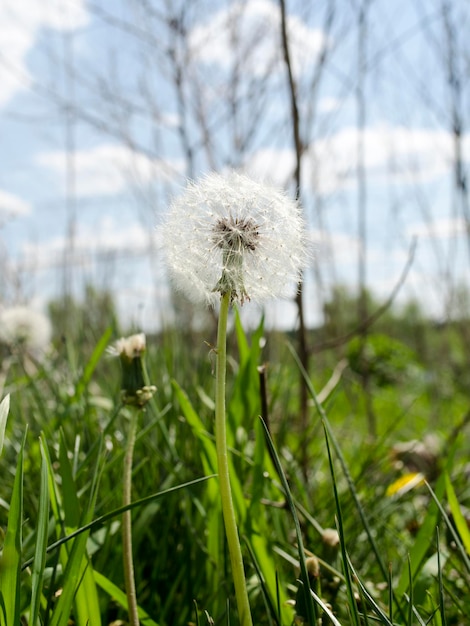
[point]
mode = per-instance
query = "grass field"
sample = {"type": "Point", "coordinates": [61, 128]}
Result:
{"type": "Point", "coordinates": [382, 532]}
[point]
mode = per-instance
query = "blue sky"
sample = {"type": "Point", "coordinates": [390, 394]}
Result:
{"type": "Point", "coordinates": [95, 141]}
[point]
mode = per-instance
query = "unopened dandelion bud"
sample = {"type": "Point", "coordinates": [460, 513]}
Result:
{"type": "Point", "coordinates": [330, 537]}
{"type": "Point", "coordinates": [313, 566]}
{"type": "Point", "coordinates": [134, 389]}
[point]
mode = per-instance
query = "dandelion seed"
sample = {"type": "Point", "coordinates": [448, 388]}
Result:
{"type": "Point", "coordinates": [232, 234]}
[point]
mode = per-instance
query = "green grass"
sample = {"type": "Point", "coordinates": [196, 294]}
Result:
{"type": "Point", "coordinates": [401, 559]}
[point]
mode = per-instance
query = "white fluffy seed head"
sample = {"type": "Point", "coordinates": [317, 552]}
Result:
{"type": "Point", "coordinates": [21, 326]}
{"type": "Point", "coordinates": [230, 233]}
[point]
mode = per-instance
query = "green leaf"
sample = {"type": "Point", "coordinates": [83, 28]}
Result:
{"type": "Point", "coordinates": [450, 526]}
{"type": "Point", "coordinates": [120, 597]}
{"type": "Point", "coordinates": [354, 613]}
{"type": "Point", "coordinates": [194, 421]}
{"type": "Point", "coordinates": [419, 550]}
{"type": "Point", "coordinates": [98, 522]}
{"type": "Point", "coordinates": [311, 615]}
{"type": "Point", "coordinates": [37, 577]}
{"type": "Point", "coordinates": [79, 585]}
{"type": "Point", "coordinates": [92, 363]}
{"type": "Point", "coordinates": [10, 561]}
{"type": "Point", "coordinates": [69, 495]}
{"type": "Point", "coordinates": [457, 514]}
{"type": "Point", "coordinates": [72, 577]}
{"type": "Point", "coordinates": [4, 409]}
{"type": "Point", "coordinates": [86, 601]}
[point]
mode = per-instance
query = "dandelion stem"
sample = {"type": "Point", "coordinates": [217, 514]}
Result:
{"type": "Point", "coordinates": [127, 523]}
{"type": "Point", "coordinates": [228, 510]}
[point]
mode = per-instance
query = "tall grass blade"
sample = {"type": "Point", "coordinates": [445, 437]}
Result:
{"type": "Point", "coordinates": [4, 410]}
{"type": "Point", "coordinates": [382, 616]}
{"type": "Point", "coordinates": [410, 596]}
{"type": "Point", "coordinates": [99, 521]}
{"type": "Point", "coordinates": [79, 585]}
{"type": "Point", "coordinates": [455, 535]}
{"type": "Point", "coordinates": [440, 581]}
{"type": "Point", "coordinates": [73, 574]}
{"type": "Point", "coordinates": [271, 611]}
{"type": "Point", "coordinates": [69, 494]}
{"type": "Point", "coordinates": [421, 544]}
{"type": "Point", "coordinates": [120, 597]}
{"type": "Point", "coordinates": [325, 608]}
{"type": "Point", "coordinates": [10, 561]}
{"type": "Point", "coordinates": [92, 363]}
{"type": "Point", "coordinates": [37, 577]}
{"type": "Point", "coordinates": [344, 467]}
{"type": "Point", "coordinates": [309, 604]}
{"type": "Point", "coordinates": [459, 519]}
{"type": "Point", "coordinates": [346, 570]}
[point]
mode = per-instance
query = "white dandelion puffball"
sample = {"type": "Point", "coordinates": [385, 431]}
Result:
{"type": "Point", "coordinates": [22, 326]}
{"type": "Point", "coordinates": [230, 234]}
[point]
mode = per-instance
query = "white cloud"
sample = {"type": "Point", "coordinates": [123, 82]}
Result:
{"type": "Point", "coordinates": [440, 228]}
{"type": "Point", "coordinates": [21, 22]}
{"type": "Point", "coordinates": [271, 165]}
{"type": "Point", "coordinates": [392, 154]}
{"type": "Point", "coordinates": [104, 237]}
{"type": "Point", "coordinates": [11, 206]}
{"type": "Point", "coordinates": [248, 33]}
{"type": "Point", "coordinates": [109, 169]}
{"type": "Point", "coordinates": [329, 104]}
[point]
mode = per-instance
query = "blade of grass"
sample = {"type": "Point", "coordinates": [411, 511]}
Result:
{"type": "Point", "coordinates": [325, 608]}
{"type": "Point", "coordinates": [73, 573]}
{"type": "Point", "coordinates": [4, 410]}
{"type": "Point", "coordinates": [99, 521]}
{"type": "Point", "coordinates": [120, 597]}
{"type": "Point", "coordinates": [309, 604]}
{"type": "Point", "coordinates": [214, 519]}
{"type": "Point", "coordinates": [459, 520]}
{"type": "Point", "coordinates": [245, 403]}
{"type": "Point", "coordinates": [450, 526]}
{"type": "Point", "coordinates": [339, 516]}
{"type": "Point", "coordinates": [85, 597]}
{"type": "Point", "coordinates": [344, 467]}
{"type": "Point", "coordinates": [92, 363]}
{"type": "Point", "coordinates": [10, 561]}
{"type": "Point", "coordinates": [270, 607]}
{"type": "Point", "coordinates": [382, 616]}
{"type": "Point", "coordinates": [79, 586]}
{"type": "Point", "coordinates": [423, 540]}
{"type": "Point", "coordinates": [194, 421]}
{"type": "Point", "coordinates": [410, 587]}
{"type": "Point", "coordinates": [69, 494]}
{"type": "Point", "coordinates": [347, 474]}
{"type": "Point", "coordinates": [37, 577]}
{"type": "Point", "coordinates": [440, 580]}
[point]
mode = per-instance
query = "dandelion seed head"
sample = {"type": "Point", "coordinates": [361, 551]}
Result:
{"type": "Point", "coordinates": [228, 233]}
{"type": "Point", "coordinates": [21, 326]}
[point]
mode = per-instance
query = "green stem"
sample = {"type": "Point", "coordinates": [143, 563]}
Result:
{"type": "Point", "coordinates": [127, 524]}
{"type": "Point", "coordinates": [228, 510]}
